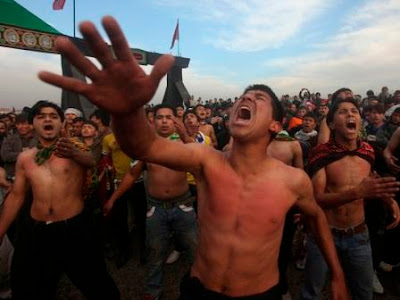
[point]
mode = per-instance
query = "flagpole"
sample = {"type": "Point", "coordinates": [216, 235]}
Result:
{"type": "Point", "coordinates": [74, 17]}
{"type": "Point", "coordinates": [179, 39]}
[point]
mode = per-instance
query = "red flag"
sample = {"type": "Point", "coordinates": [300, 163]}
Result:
{"type": "Point", "coordinates": [175, 37]}
{"type": "Point", "coordinates": [58, 4]}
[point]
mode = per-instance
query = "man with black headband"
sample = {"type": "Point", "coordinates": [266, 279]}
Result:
{"type": "Point", "coordinates": [243, 195]}
{"type": "Point", "coordinates": [340, 171]}
{"type": "Point", "coordinates": [57, 236]}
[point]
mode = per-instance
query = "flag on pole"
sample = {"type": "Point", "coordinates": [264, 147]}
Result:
{"type": "Point", "coordinates": [58, 4]}
{"type": "Point", "coordinates": [175, 37]}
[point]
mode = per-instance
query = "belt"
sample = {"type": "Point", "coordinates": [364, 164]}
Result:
{"type": "Point", "coordinates": [185, 199]}
{"type": "Point", "coordinates": [350, 231]}
{"type": "Point", "coordinates": [61, 222]}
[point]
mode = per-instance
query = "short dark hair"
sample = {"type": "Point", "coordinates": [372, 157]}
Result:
{"type": "Point", "coordinates": [164, 105]}
{"type": "Point", "coordinates": [341, 90]}
{"type": "Point", "coordinates": [102, 115]}
{"type": "Point", "coordinates": [78, 119]}
{"type": "Point", "coordinates": [199, 105]}
{"type": "Point", "coordinates": [21, 118]}
{"type": "Point", "coordinates": [310, 115]}
{"type": "Point", "coordinates": [90, 122]}
{"type": "Point", "coordinates": [37, 108]}
{"type": "Point", "coordinates": [191, 111]}
{"type": "Point", "coordinates": [179, 105]}
{"type": "Point", "coordinates": [335, 107]}
{"type": "Point", "coordinates": [277, 108]}
{"type": "Point", "coordinates": [377, 107]}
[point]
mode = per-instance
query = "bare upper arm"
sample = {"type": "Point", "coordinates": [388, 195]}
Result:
{"type": "Point", "coordinates": [297, 155]}
{"type": "Point", "coordinates": [319, 182]}
{"type": "Point", "coordinates": [20, 184]}
{"type": "Point", "coordinates": [178, 156]}
{"type": "Point", "coordinates": [305, 200]}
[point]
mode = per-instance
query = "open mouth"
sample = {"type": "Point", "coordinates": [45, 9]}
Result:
{"type": "Point", "coordinates": [244, 113]}
{"type": "Point", "coordinates": [351, 125]}
{"type": "Point", "coordinates": [48, 127]}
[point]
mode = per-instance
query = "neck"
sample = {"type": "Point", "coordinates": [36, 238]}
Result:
{"type": "Point", "coordinates": [248, 156]}
{"type": "Point", "coordinates": [349, 144]}
{"type": "Point", "coordinates": [47, 143]}
{"type": "Point", "coordinates": [88, 141]}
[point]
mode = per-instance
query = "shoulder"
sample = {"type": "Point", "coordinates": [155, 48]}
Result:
{"type": "Point", "coordinates": [295, 178]}
{"type": "Point", "coordinates": [26, 156]}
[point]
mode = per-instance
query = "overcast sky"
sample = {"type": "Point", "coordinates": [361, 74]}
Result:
{"type": "Point", "coordinates": [318, 44]}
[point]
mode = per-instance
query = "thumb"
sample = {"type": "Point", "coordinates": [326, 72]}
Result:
{"type": "Point", "coordinates": [161, 67]}
{"type": "Point", "coordinates": [395, 158]}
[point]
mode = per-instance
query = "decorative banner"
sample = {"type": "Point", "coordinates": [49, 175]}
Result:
{"type": "Point", "coordinates": [26, 39]}
{"type": "Point", "coordinates": [20, 38]}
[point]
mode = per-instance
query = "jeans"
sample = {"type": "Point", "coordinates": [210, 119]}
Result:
{"type": "Point", "coordinates": [356, 259]}
{"type": "Point", "coordinates": [161, 222]}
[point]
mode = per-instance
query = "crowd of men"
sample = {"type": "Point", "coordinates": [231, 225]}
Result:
{"type": "Point", "coordinates": [223, 182]}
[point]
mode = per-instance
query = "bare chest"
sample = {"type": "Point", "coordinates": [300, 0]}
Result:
{"type": "Point", "coordinates": [255, 206]}
{"type": "Point", "coordinates": [54, 169]}
{"type": "Point", "coordinates": [159, 175]}
{"type": "Point", "coordinates": [347, 172]}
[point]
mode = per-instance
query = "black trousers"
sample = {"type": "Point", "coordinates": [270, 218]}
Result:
{"type": "Point", "coordinates": [193, 289]}
{"type": "Point", "coordinates": [44, 251]}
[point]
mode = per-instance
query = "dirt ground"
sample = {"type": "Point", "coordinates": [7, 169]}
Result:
{"type": "Point", "coordinates": [130, 280]}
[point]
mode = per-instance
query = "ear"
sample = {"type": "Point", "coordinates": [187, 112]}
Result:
{"type": "Point", "coordinates": [275, 126]}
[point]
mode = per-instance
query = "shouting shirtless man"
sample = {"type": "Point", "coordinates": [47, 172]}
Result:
{"type": "Point", "coordinates": [340, 172]}
{"type": "Point", "coordinates": [243, 194]}
{"type": "Point", "coordinates": [57, 236]}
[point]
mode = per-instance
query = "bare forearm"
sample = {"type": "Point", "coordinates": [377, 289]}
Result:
{"type": "Point", "coordinates": [123, 187]}
{"type": "Point", "coordinates": [324, 132]}
{"type": "Point", "coordinates": [331, 200]}
{"type": "Point", "coordinates": [134, 134]}
{"type": "Point", "coordinates": [85, 159]}
{"type": "Point", "coordinates": [323, 236]}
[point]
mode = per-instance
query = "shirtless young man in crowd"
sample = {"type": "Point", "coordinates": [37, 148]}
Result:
{"type": "Point", "coordinates": [57, 236]}
{"type": "Point", "coordinates": [243, 194]}
{"type": "Point", "coordinates": [340, 171]}
{"type": "Point", "coordinates": [170, 209]}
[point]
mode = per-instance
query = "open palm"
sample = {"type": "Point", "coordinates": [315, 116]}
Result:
{"type": "Point", "coordinates": [121, 87]}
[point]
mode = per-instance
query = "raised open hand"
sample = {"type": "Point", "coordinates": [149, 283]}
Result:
{"type": "Point", "coordinates": [121, 87]}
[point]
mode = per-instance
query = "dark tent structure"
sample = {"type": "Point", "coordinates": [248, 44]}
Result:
{"type": "Point", "coordinates": [21, 29]}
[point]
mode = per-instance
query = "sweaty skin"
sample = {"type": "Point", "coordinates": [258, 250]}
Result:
{"type": "Point", "coordinates": [288, 152]}
{"type": "Point", "coordinates": [243, 194]}
{"type": "Point", "coordinates": [56, 184]}
{"type": "Point", "coordinates": [244, 222]}
{"type": "Point", "coordinates": [164, 183]}
{"type": "Point", "coordinates": [341, 187]}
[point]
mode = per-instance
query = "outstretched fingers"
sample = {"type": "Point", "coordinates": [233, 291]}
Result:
{"type": "Point", "coordinates": [117, 38]}
{"type": "Point", "coordinates": [97, 45]}
{"type": "Point", "coordinates": [67, 83]}
{"type": "Point", "coordinates": [66, 48]}
{"type": "Point", "coordinates": [161, 67]}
